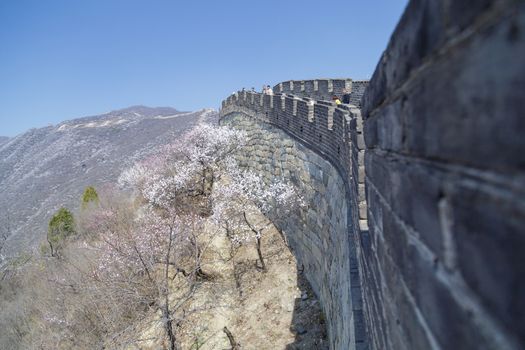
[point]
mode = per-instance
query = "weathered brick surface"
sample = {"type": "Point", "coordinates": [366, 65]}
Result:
{"type": "Point", "coordinates": [433, 180]}
{"type": "Point", "coordinates": [324, 89]}
{"type": "Point", "coordinates": [329, 253]}
{"type": "Point", "coordinates": [444, 176]}
{"type": "Point", "coordinates": [316, 233]}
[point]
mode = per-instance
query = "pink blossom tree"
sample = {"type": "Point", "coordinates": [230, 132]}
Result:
{"type": "Point", "coordinates": [151, 259]}
{"type": "Point", "coordinates": [248, 206]}
{"type": "Point", "coordinates": [187, 169]}
{"type": "Point", "coordinates": [152, 255]}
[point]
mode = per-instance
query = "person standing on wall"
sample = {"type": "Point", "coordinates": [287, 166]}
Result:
{"type": "Point", "coordinates": [346, 96]}
{"type": "Point", "coordinates": [336, 100]}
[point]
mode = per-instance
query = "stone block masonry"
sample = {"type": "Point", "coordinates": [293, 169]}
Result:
{"type": "Point", "coordinates": [332, 170]}
{"type": "Point", "coordinates": [445, 181]}
{"type": "Point", "coordinates": [426, 184]}
{"type": "Point", "coordinates": [317, 232]}
{"type": "Point", "coordinates": [323, 89]}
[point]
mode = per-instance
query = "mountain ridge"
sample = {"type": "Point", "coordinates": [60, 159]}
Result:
{"type": "Point", "coordinates": [136, 111]}
{"type": "Point", "coordinates": [46, 168]}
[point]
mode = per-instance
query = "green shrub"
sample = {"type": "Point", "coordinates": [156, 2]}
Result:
{"type": "Point", "coordinates": [90, 196]}
{"type": "Point", "coordinates": [61, 226]}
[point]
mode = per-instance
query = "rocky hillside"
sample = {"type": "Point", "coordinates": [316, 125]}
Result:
{"type": "Point", "coordinates": [44, 169]}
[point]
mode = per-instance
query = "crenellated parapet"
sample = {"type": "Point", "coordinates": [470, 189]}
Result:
{"type": "Point", "coordinates": [335, 132]}
{"type": "Point", "coordinates": [323, 89]}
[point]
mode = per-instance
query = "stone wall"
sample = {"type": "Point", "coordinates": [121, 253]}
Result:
{"type": "Point", "coordinates": [445, 145]}
{"type": "Point", "coordinates": [358, 90]}
{"type": "Point", "coordinates": [323, 89]}
{"type": "Point", "coordinates": [317, 232]}
{"type": "Point", "coordinates": [334, 134]}
{"type": "Point", "coordinates": [436, 232]}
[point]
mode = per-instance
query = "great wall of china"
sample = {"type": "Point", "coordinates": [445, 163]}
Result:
{"type": "Point", "coordinates": [413, 234]}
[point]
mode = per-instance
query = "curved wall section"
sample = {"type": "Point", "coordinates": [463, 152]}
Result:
{"type": "Point", "coordinates": [317, 233]}
{"type": "Point", "coordinates": [330, 251]}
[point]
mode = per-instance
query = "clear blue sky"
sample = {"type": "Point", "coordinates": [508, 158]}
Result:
{"type": "Point", "coordinates": [66, 59]}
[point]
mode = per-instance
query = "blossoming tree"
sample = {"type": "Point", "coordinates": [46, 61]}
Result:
{"type": "Point", "coordinates": [249, 206]}
{"type": "Point", "coordinates": [152, 255]}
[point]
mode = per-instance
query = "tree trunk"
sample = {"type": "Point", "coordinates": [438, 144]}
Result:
{"type": "Point", "coordinates": [258, 236]}
{"type": "Point", "coordinates": [201, 275]}
{"type": "Point", "coordinates": [168, 325]}
{"type": "Point", "coordinates": [233, 343]}
{"type": "Point", "coordinates": [51, 247]}
{"type": "Point", "coordinates": [259, 252]}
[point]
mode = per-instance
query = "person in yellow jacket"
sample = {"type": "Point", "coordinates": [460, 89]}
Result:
{"type": "Point", "coordinates": [336, 100]}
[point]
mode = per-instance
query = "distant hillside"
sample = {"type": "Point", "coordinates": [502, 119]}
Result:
{"type": "Point", "coordinates": [3, 139]}
{"type": "Point", "coordinates": [44, 169]}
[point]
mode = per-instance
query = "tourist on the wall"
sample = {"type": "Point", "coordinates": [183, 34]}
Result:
{"type": "Point", "coordinates": [265, 90]}
{"type": "Point", "coordinates": [336, 100]}
{"type": "Point", "coordinates": [269, 90]}
{"type": "Point", "coordinates": [346, 96]}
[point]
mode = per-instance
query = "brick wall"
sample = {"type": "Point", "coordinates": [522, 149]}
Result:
{"type": "Point", "coordinates": [445, 143]}
{"type": "Point", "coordinates": [436, 223]}
{"type": "Point", "coordinates": [334, 133]}
{"type": "Point", "coordinates": [317, 232]}
{"type": "Point", "coordinates": [323, 89]}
